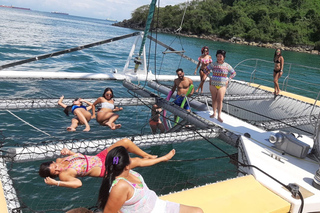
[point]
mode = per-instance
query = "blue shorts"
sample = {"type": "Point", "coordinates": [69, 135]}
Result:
{"type": "Point", "coordinates": [179, 100]}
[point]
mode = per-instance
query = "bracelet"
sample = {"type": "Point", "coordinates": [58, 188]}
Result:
{"type": "Point", "coordinates": [58, 183]}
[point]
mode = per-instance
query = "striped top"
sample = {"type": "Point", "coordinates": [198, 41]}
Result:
{"type": "Point", "coordinates": [219, 73]}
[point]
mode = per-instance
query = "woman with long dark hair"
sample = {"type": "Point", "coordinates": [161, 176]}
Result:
{"type": "Point", "coordinates": [204, 60]}
{"type": "Point", "coordinates": [123, 190]}
{"type": "Point", "coordinates": [76, 165]}
{"type": "Point", "coordinates": [278, 70]}
{"type": "Point", "coordinates": [81, 113]}
{"type": "Point", "coordinates": [106, 115]}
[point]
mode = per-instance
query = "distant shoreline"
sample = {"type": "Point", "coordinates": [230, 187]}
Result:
{"type": "Point", "coordinates": [20, 8]}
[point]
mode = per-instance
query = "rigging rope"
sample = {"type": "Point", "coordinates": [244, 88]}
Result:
{"type": "Point", "coordinates": [40, 57]}
{"type": "Point", "coordinates": [185, 9]}
{"type": "Point", "coordinates": [29, 123]}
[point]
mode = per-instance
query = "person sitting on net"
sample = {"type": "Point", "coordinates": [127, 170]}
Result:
{"type": "Point", "coordinates": [155, 121]}
{"type": "Point", "coordinates": [124, 190]}
{"type": "Point", "coordinates": [81, 113]}
{"type": "Point", "coordinates": [106, 115]}
{"type": "Point", "coordinates": [68, 169]}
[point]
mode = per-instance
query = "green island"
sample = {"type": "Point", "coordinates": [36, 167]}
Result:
{"type": "Point", "coordinates": [290, 24]}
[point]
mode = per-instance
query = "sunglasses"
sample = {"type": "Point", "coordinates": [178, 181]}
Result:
{"type": "Point", "coordinates": [108, 94]}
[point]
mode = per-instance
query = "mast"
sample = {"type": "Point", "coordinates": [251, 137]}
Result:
{"type": "Point", "coordinates": [146, 30]}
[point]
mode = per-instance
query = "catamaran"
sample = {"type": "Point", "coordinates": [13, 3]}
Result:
{"type": "Point", "coordinates": [277, 137]}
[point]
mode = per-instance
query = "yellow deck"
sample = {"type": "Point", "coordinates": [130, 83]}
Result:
{"type": "Point", "coordinates": [241, 195]}
{"type": "Point", "coordinates": [3, 203]}
{"type": "Point", "coordinates": [287, 94]}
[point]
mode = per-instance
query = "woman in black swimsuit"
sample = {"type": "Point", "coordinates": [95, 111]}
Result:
{"type": "Point", "coordinates": [278, 70]}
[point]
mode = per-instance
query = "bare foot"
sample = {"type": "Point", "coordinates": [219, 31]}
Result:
{"type": "Point", "coordinates": [117, 126]}
{"type": "Point", "coordinates": [87, 129]}
{"type": "Point", "coordinates": [197, 90]}
{"type": "Point", "coordinates": [169, 155]}
{"type": "Point", "coordinates": [110, 125]}
{"type": "Point", "coordinates": [219, 119]}
{"type": "Point", "coordinates": [212, 116]}
{"type": "Point", "coordinates": [70, 129]}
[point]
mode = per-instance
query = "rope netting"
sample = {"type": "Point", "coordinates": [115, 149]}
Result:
{"type": "Point", "coordinates": [196, 163]}
{"type": "Point", "coordinates": [277, 113]}
{"type": "Point", "coordinates": [6, 104]}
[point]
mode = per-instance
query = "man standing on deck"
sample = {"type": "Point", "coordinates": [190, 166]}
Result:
{"type": "Point", "coordinates": [182, 85]}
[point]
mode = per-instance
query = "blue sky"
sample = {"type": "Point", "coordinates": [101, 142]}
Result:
{"type": "Point", "coordinates": [102, 9]}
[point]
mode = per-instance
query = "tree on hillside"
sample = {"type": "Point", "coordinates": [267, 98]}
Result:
{"type": "Point", "coordinates": [290, 22]}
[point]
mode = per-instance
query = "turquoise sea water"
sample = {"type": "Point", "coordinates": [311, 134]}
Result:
{"type": "Point", "coordinates": [26, 34]}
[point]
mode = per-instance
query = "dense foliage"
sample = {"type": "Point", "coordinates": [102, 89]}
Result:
{"type": "Point", "coordinates": [291, 22]}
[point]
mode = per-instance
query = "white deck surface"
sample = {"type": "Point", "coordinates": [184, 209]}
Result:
{"type": "Point", "coordinates": [288, 170]}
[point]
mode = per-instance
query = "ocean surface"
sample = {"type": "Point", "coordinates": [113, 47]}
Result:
{"type": "Point", "coordinates": [26, 34]}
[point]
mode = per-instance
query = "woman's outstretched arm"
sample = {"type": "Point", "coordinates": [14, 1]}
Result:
{"type": "Point", "coordinates": [60, 102]}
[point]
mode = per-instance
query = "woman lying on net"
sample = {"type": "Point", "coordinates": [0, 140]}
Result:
{"type": "Point", "coordinates": [106, 115]}
{"type": "Point", "coordinates": [81, 113]}
{"type": "Point", "coordinates": [68, 169]}
{"type": "Point", "coordinates": [123, 190]}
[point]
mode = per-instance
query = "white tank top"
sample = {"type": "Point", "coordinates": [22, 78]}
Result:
{"type": "Point", "coordinates": [107, 105]}
{"type": "Point", "coordinates": [144, 200]}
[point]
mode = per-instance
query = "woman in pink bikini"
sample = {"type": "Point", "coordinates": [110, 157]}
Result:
{"type": "Point", "coordinates": [68, 169]}
{"type": "Point", "coordinates": [204, 60]}
{"type": "Point", "coordinates": [106, 115]}
{"type": "Point", "coordinates": [123, 190]}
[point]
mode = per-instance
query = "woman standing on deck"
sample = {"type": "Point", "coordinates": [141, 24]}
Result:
{"type": "Point", "coordinates": [106, 115]}
{"type": "Point", "coordinates": [123, 190]}
{"type": "Point", "coordinates": [68, 169]}
{"type": "Point", "coordinates": [219, 81]}
{"type": "Point", "coordinates": [278, 70]}
{"type": "Point", "coordinates": [204, 60]}
{"type": "Point", "coordinates": [81, 113]}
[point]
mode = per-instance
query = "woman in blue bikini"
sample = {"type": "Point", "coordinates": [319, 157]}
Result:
{"type": "Point", "coordinates": [106, 115]}
{"type": "Point", "coordinates": [81, 113]}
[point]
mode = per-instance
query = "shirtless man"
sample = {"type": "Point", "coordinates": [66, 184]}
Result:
{"type": "Point", "coordinates": [182, 85]}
